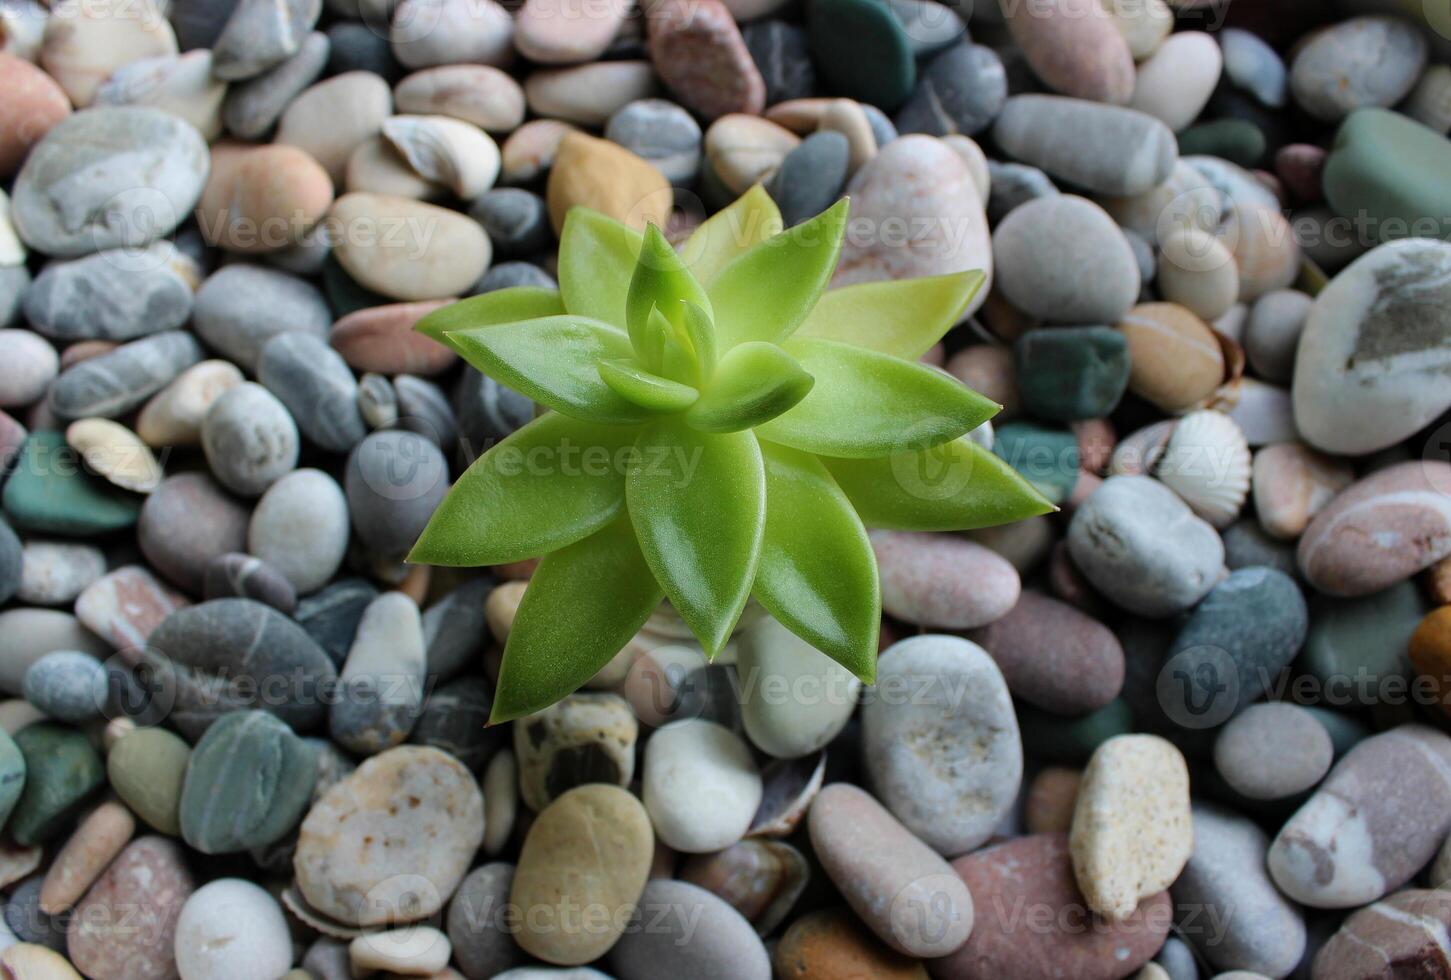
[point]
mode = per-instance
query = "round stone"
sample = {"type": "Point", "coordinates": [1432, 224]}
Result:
{"type": "Point", "coordinates": [700, 786]}
{"type": "Point", "coordinates": [770, 655]}
{"type": "Point", "coordinates": [455, 719]}
{"type": "Point", "coordinates": [263, 200]}
{"type": "Point", "coordinates": [330, 119]}
{"type": "Point", "coordinates": [146, 769]}
{"type": "Point", "coordinates": [479, 94]}
{"type": "Point", "coordinates": [185, 523]}
{"type": "Point", "coordinates": [720, 946]}
{"type": "Point", "coordinates": [61, 771]}
{"type": "Point", "coordinates": [253, 106]}
{"type": "Point", "coordinates": [1176, 360]}
{"type": "Point", "coordinates": [961, 91]}
{"type": "Point", "coordinates": [1062, 259]}
{"type": "Point", "coordinates": [394, 482]}
{"type": "Point", "coordinates": [1272, 333]}
{"type": "Point", "coordinates": [99, 837]}
{"type": "Point", "coordinates": [28, 364]}
{"type": "Point", "coordinates": [1198, 272]}
{"type": "Point", "coordinates": [300, 528]}
{"type": "Point", "coordinates": [12, 776]}
{"type": "Point", "coordinates": [811, 177]}
{"type": "Point", "coordinates": [744, 150]}
{"type": "Point", "coordinates": [1101, 148]}
{"type": "Point", "coordinates": [1362, 61]}
{"type": "Point", "coordinates": [1377, 939]}
{"type": "Point", "coordinates": [250, 439]}
{"type": "Point", "coordinates": [52, 573]}
{"type": "Point", "coordinates": [831, 942]}
{"type": "Point", "coordinates": [234, 575]}
{"type": "Point", "coordinates": [661, 133]}
{"type": "Point", "coordinates": [1254, 66]}
{"type": "Point", "coordinates": [1292, 484]}
{"type": "Point", "coordinates": [240, 307]}
{"type": "Point", "coordinates": [316, 386]}
{"type": "Point", "coordinates": [229, 929]}
{"type": "Point", "coordinates": [782, 53]}
{"type": "Point", "coordinates": [413, 265]}
{"type": "Point", "coordinates": [113, 295]}
{"type": "Point", "coordinates": [1174, 84]}
{"type": "Point", "coordinates": [173, 417]}
{"type": "Point", "coordinates": [112, 451]}
{"type": "Point", "coordinates": [1270, 751]}
{"type": "Point", "coordinates": [67, 685]}
{"type": "Point", "coordinates": [1076, 49]}
{"type": "Point", "coordinates": [29, 634]}
{"type": "Point", "coordinates": [125, 925]}
{"type": "Point", "coordinates": [941, 580]}
{"type": "Point", "coordinates": [48, 492]}
{"type": "Point", "coordinates": [382, 339]}
{"type": "Point", "coordinates": [517, 221]}
{"type": "Point", "coordinates": [445, 32]}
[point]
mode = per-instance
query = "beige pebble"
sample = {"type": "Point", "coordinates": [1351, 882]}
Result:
{"type": "Point", "coordinates": [29, 961]}
{"type": "Point", "coordinates": [115, 453]}
{"type": "Point", "coordinates": [1144, 23]}
{"type": "Point", "coordinates": [1152, 971]}
{"type": "Point", "coordinates": [377, 168]}
{"type": "Point", "coordinates": [989, 370]}
{"type": "Point", "coordinates": [1132, 832]}
{"type": "Point", "coordinates": [1176, 360]}
{"type": "Point", "coordinates": [849, 119]}
{"type": "Point", "coordinates": [97, 839]}
{"type": "Point", "coordinates": [801, 116]}
{"type": "Point", "coordinates": [480, 94]}
{"type": "Point", "coordinates": [406, 249]}
{"type": "Point", "coordinates": [182, 85]}
{"type": "Point", "coordinates": [16, 714]}
{"type": "Point", "coordinates": [608, 178]}
{"type": "Point", "coordinates": [415, 951]}
{"type": "Point", "coordinates": [1198, 272]}
{"type": "Point", "coordinates": [502, 606]}
{"type": "Point", "coordinates": [1051, 798]}
{"type": "Point", "coordinates": [447, 151]}
{"type": "Point", "coordinates": [426, 33]}
{"type": "Point", "coordinates": [85, 42]}
{"type": "Point", "coordinates": [264, 200]}
{"type": "Point", "coordinates": [331, 118]}
{"type": "Point", "coordinates": [1292, 483]}
{"type": "Point", "coordinates": [589, 94]}
{"type": "Point", "coordinates": [17, 863]}
{"type": "Point", "coordinates": [529, 151]}
{"type": "Point", "coordinates": [746, 150]}
{"type": "Point", "coordinates": [501, 801]}
{"type": "Point", "coordinates": [1264, 246]}
{"type": "Point", "coordinates": [554, 33]}
{"type": "Point", "coordinates": [173, 417]}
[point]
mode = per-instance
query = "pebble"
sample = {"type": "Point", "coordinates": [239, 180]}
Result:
{"type": "Point", "coordinates": [1132, 831]}
{"type": "Point", "coordinates": [246, 642]}
{"type": "Point", "coordinates": [84, 44]}
{"type": "Point", "coordinates": [1175, 83]}
{"type": "Point", "coordinates": [48, 492]}
{"type": "Point", "coordinates": [1176, 360]}
{"type": "Point", "coordinates": [419, 820]}
{"type": "Point", "coordinates": [744, 150]}
{"type": "Point", "coordinates": [1301, 754]}
{"type": "Point", "coordinates": [1102, 148]}
{"type": "Point", "coordinates": [482, 944]}
{"type": "Point", "coordinates": [185, 523]}
{"type": "Point", "coordinates": [316, 386]}
{"type": "Point", "coordinates": [230, 929]}
{"type": "Point", "coordinates": [260, 35]}
{"type": "Point", "coordinates": [67, 685]}
{"type": "Point", "coordinates": [25, 921]}
{"type": "Point", "coordinates": [1361, 836]}
{"type": "Point", "coordinates": [61, 772]}
{"type": "Point", "coordinates": [939, 580]}
{"type": "Point", "coordinates": [781, 53]}
{"type": "Point", "coordinates": [117, 176]}
{"type": "Point", "coordinates": [446, 32]}
{"type": "Point", "coordinates": [1054, 656]}
{"type": "Point", "coordinates": [1075, 49]}
{"type": "Point", "coordinates": [1273, 331]}
{"type": "Point", "coordinates": [584, 738]}
{"type": "Point", "coordinates": [947, 694]}
{"type": "Point", "coordinates": [12, 776]}
{"type": "Point", "coordinates": [250, 439]}
{"type": "Point", "coordinates": [53, 573]}
{"type": "Point", "coordinates": [716, 943]}
{"type": "Point", "coordinates": [543, 34]}
{"type": "Point", "coordinates": [660, 132]}
{"type": "Point", "coordinates": [1063, 260]}
{"type": "Point", "coordinates": [330, 119]}
{"type": "Point", "coordinates": [432, 252]}
{"type": "Point", "coordinates": [390, 506]}
{"type": "Point", "coordinates": [916, 178]}
{"type": "Point", "coordinates": [173, 416]}
{"type": "Point", "coordinates": [699, 785]}
{"type": "Point", "coordinates": [771, 661]}
{"type": "Point", "coordinates": [903, 891]}
{"type": "Point", "coordinates": [253, 106]}
{"type": "Point", "coordinates": [601, 827]}
{"type": "Point", "coordinates": [381, 685]}
{"type": "Point", "coordinates": [587, 95]}
{"type": "Point", "coordinates": [516, 220]}
{"type": "Point", "coordinates": [1400, 933]}
{"type": "Point", "coordinates": [180, 84]}
{"type": "Point", "coordinates": [1198, 272]}
{"type": "Point", "coordinates": [125, 925]}
{"type": "Point", "coordinates": [600, 175]}
{"type": "Point", "coordinates": [28, 364]}
{"type": "Point", "coordinates": [1266, 933]}
{"type": "Point", "coordinates": [1071, 373]}
{"type": "Point", "coordinates": [1363, 61]}
{"type": "Point", "coordinates": [1254, 66]}
{"type": "Point", "coordinates": [811, 177]}
{"type": "Point", "coordinates": [113, 295]}
{"type": "Point", "coordinates": [1036, 872]}
{"type": "Point", "coordinates": [114, 383]}
{"type": "Point", "coordinates": [1142, 547]}
{"type": "Point", "coordinates": [1362, 380]}
{"type": "Point", "coordinates": [1292, 484]}
{"type": "Point", "coordinates": [35, 105]}
{"type": "Point", "coordinates": [455, 717]}
{"type": "Point", "coordinates": [112, 451]}
{"type": "Point", "coordinates": [264, 201]}
{"type": "Point", "coordinates": [147, 769]}
{"type": "Point", "coordinates": [382, 339]}
{"type": "Point", "coordinates": [961, 91]}
{"type": "Point", "coordinates": [829, 942]}
{"type": "Point", "coordinates": [478, 94]}
{"type": "Point", "coordinates": [330, 616]}
{"type": "Point", "coordinates": [1362, 638]}
{"type": "Point", "coordinates": [411, 951]}
{"type": "Point", "coordinates": [700, 56]}
{"type": "Point", "coordinates": [98, 838]}
{"type": "Point", "coordinates": [862, 51]}
{"type": "Point", "coordinates": [30, 634]}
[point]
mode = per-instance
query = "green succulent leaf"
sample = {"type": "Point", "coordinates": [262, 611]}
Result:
{"type": "Point", "coordinates": [753, 218]}
{"type": "Point", "coordinates": [660, 282]}
{"type": "Point", "coordinates": [955, 486]}
{"type": "Point", "coordinates": [867, 404]}
{"type": "Point", "coordinates": [765, 293]}
{"type": "Point", "coordinates": [548, 485]}
{"type": "Point", "coordinates": [597, 258]}
{"type": "Point", "coordinates": [650, 391]}
{"type": "Point", "coordinates": [500, 306]}
{"type": "Point", "coordinates": [754, 382]}
{"type": "Point", "coordinates": [554, 360]}
{"type": "Point", "coordinates": [818, 574]}
{"type": "Point", "coordinates": [584, 603]}
{"type": "Point", "coordinates": [700, 332]}
{"type": "Point", "coordinates": [698, 503]}
{"type": "Point", "coordinates": [900, 317]}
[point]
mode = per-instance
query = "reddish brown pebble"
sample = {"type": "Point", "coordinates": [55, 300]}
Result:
{"type": "Point", "coordinates": [33, 103]}
{"type": "Point", "coordinates": [1051, 797]}
{"type": "Point", "coordinates": [125, 927]}
{"type": "Point", "coordinates": [382, 339]}
{"type": "Point", "coordinates": [1074, 47]}
{"type": "Point", "coordinates": [1054, 656]}
{"type": "Point", "coordinates": [699, 53]}
{"type": "Point", "coordinates": [124, 606]}
{"type": "Point", "coordinates": [832, 943]}
{"type": "Point", "coordinates": [1298, 166]}
{"type": "Point", "coordinates": [1403, 936]}
{"type": "Point", "coordinates": [97, 839]}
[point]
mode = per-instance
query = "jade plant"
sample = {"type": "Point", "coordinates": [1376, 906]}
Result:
{"type": "Point", "coordinates": [715, 425]}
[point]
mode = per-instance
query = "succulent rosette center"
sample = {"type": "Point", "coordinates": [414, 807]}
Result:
{"type": "Point", "coordinates": [718, 426]}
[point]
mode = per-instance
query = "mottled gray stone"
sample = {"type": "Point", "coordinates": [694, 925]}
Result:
{"type": "Point", "coordinates": [455, 629]}
{"type": "Point", "coordinates": [235, 575]}
{"type": "Point", "coordinates": [260, 34]}
{"type": "Point", "coordinates": [117, 295]}
{"type": "Point", "coordinates": [783, 54]}
{"type": "Point", "coordinates": [250, 439]}
{"type": "Point", "coordinates": [424, 408]}
{"type": "Point", "coordinates": [1103, 148]}
{"type": "Point", "coordinates": [253, 107]}
{"type": "Point", "coordinates": [67, 685]}
{"type": "Point", "coordinates": [961, 91]}
{"type": "Point", "coordinates": [316, 385]}
{"type": "Point", "coordinates": [517, 221]}
{"type": "Point", "coordinates": [118, 381]}
{"type": "Point", "coordinates": [811, 177]}
{"type": "Point", "coordinates": [240, 307]}
{"type": "Point", "coordinates": [661, 132]}
{"type": "Point", "coordinates": [395, 480]}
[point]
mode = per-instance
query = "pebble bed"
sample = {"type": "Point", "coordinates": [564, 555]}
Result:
{"type": "Point", "coordinates": [1192, 725]}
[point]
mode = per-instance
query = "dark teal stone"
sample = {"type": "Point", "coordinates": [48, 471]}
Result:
{"type": "Point", "coordinates": [811, 177]}
{"type": "Point", "coordinates": [248, 782]}
{"type": "Point", "coordinates": [62, 770]}
{"type": "Point", "coordinates": [1071, 373]}
{"type": "Point", "coordinates": [1046, 458]}
{"type": "Point", "coordinates": [49, 491]}
{"type": "Point", "coordinates": [12, 776]}
{"type": "Point", "coordinates": [1356, 648]}
{"type": "Point", "coordinates": [1236, 140]}
{"type": "Point", "coordinates": [1055, 738]}
{"type": "Point", "coordinates": [862, 51]}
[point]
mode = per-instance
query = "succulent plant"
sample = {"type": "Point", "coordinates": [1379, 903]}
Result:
{"type": "Point", "coordinates": [719, 426]}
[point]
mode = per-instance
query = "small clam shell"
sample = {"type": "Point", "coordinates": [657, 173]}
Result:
{"type": "Point", "coordinates": [761, 879]}
{"type": "Point", "coordinates": [311, 917]}
{"type": "Point", "coordinates": [451, 152]}
{"type": "Point", "coordinates": [1140, 451]}
{"type": "Point", "coordinates": [116, 453]}
{"type": "Point", "coordinates": [789, 786]}
{"type": "Point", "coordinates": [1207, 463]}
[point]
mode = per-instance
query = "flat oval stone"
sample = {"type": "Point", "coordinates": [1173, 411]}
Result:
{"type": "Point", "coordinates": [240, 307]}
{"type": "Point", "coordinates": [1400, 933]}
{"type": "Point", "coordinates": [608, 178]}
{"type": "Point", "coordinates": [455, 719]}
{"type": "Point", "coordinates": [125, 925]}
{"type": "Point", "coordinates": [394, 482]}
{"type": "Point", "coordinates": [1385, 528]}
{"type": "Point", "coordinates": [700, 785]}
{"type": "Point", "coordinates": [382, 339]}
{"type": "Point", "coordinates": [49, 492]}
{"type": "Point", "coordinates": [114, 383]}
{"type": "Point", "coordinates": [1362, 61]}
{"type": "Point", "coordinates": [409, 820]}
{"type": "Point", "coordinates": [53, 573]}
{"type": "Point", "coordinates": [1075, 48]}
{"type": "Point", "coordinates": [444, 32]}
{"type": "Point", "coordinates": [266, 200]}
{"type": "Point", "coordinates": [413, 265]}
{"type": "Point", "coordinates": [862, 51]}
{"type": "Point", "coordinates": [266, 660]}
{"type": "Point", "coordinates": [86, 44]}
{"type": "Point", "coordinates": [1063, 260]}
{"type": "Point", "coordinates": [831, 942]}
{"type": "Point", "coordinates": [482, 943]}
{"type": "Point", "coordinates": [604, 828]}
{"type": "Point", "coordinates": [1361, 836]}
{"type": "Point", "coordinates": [584, 738]}
{"type": "Point", "coordinates": [960, 91]}
{"type": "Point", "coordinates": [658, 131]}
{"type": "Point", "coordinates": [1363, 376]}
{"type": "Point", "coordinates": [951, 807]}
{"type": "Point", "coordinates": [1132, 832]}
{"type": "Point", "coordinates": [699, 54]}
{"type": "Point", "coordinates": [118, 176]}
{"type": "Point", "coordinates": [316, 386]}
{"type": "Point", "coordinates": [248, 781]}
{"type": "Point", "coordinates": [1271, 751]}
{"type": "Point", "coordinates": [942, 580]}
{"type": "Point", "coordinates": [1054, 656]}
{"type": "Point", "coordinates": [112, 295]}
{"type": "Point", "coordinates": [229, 928]}
{"type": "Point", "coordinates": [770, 660]}
{"type": "Point", "coordinates": [479, 94]}
{"type": "Point", "coordinates": [725, 947]}
{"type": "Point", "coordinates": [1035, 872]}
{"type": "Point", "coordinates": [187, 522]}
{"type": "Point", "coordinates": [811, 177]}
{"type": "Point", "coordinates": [61, 771]}
{"type": "Point", "coordinates": [1363, 641]}
{"type": "Point", "coordinates": [67, 685]}
{"type": "Point", "coordinates": [173, 416]}
{"type": "Point", "coordinates": [330, 119]}
{"type": "Point", "coordinates": [908, 895]}
{"type": "Point", "coordinates": [99, 837]}
{"type": "Point", "coordinates": [250, 439]}
{"type": "Point", "coordinates": [542, 35]}
{"type": "Point", "coordinates": [28, 367]}
{"type": "Point", "coordinates": [330, 616]}
{"type": "Point", "coordinates": [1174, 84]}
{"type": "Point", "coordinates": [259, 35]}
{"type": "Point", "coordinates": [234, 575]}
{"type": "Point", "coordinates": [252, 107]}
{"type": "Point", "coordinates": [381, 686]}
{"type": "Point", "coordinates": [36, 104]}
{"type": "Point", "coordinates": [1102, 148]}
{"type": "Point", "coordinates": [1176, 361]}
{"type": "Point", "coordinates": [1292, 483]}
{"type": "Point", "coordinates": [300, 528]}
{"type": "Point", "coordinates": [147, 769]}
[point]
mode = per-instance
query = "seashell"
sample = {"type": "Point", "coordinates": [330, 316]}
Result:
{"type": "Point", "coordinates": [1207, 463]}
{"type": "Point", "coordinates": [1140, 451]}
{"type": "Point", "coordinates": [789, 786]}
{"type": "Point", "coordinates": [375, 167]}
{"type": "Point", "coordinates": [292, 898]}
{"type": "Point", "coordinates": [761, 879]}
{"type": "Point", "coordinates": [181, 84]}
{"type": "Point", "coordinates": [451, 152]}
{"type": "Point", "coordinates": [22, 28]}
{"type": "Point", "coordinates": [115, 453]}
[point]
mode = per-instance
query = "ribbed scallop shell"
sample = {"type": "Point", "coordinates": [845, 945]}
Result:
{"type": "Point", "coordinates": [1207, 463]}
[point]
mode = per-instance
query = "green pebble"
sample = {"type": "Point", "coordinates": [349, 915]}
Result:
{"type": "Point", "coordinates": [61, 771]}
{"type": "Point", "coordinates": [1055, 738]}
{"type": "Point", "coordinates": [146, 769]}
{"type": "Point", "coordinates": [862, 52]}
{"type": "Point", "coordinates": [1356, 648]}
{"type": "Point", "coordinates": [49, 492]}
{"type": "Point", "coordinates": [1390, 172]}
{"type": "Point", "coordinates": [1236, 140]}
{"type": "Point", "coordinates": [1046, 458]}
{"type": "Point", "coordinates": [1071, 373]}
{"type": "Point", "coordinates": [12, 776]}
{"type": "Point", "coordinates": [247, 784]}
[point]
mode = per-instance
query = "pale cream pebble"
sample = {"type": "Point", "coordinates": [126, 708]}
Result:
{"type": "Point", "coordinates": [173, 416]}
{"type": "Point", "coordinates": [501, 801]}
{"type": "Point", "coordinates": [451, 152]}
{"type": "Point", "coordinates": [850, 120]}
{"type": "Point", "coordinates": [98, 838]}
{"type": "Point", "coordinates": [16, 714]}
{"type": "Point", "coordinates": [85, 42]}
{"type": "Point", "coordinates": [1132, 832]}
{"type": "Point", "coordinates": [801, 116]}
{"type": "Point", "coordinates": [375, 167]}
{"type": "Point", "coordinates": [502, 606]}
{"type": "Point", "coordinates": [1353, 878]}
{"type": "Point", "coordinates": [746, 150]}
{"type": "Point", "coordinates": [972, 155]}
{"type": "Point", "coordinates": [29, 961]}
{"type": "Point", "coordinates": [415, 951]}
{"type": "Point", "coordinates": [1152, 971]}
{"type": "Point", "coordinates": [1143, 23]}
{"type": "Point", "coordinates": [1292, 483]}
{"type": "Point", "coordinates": [530, 150]}
{"type": "Point", "coordinates": [116, 453]}
{"type": "Point", "coordinates": [115, 730]}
